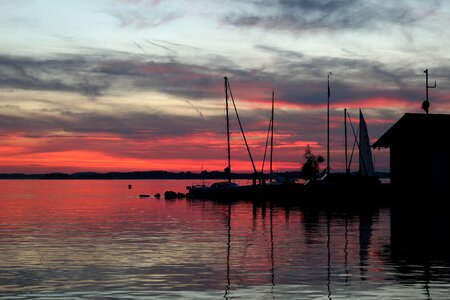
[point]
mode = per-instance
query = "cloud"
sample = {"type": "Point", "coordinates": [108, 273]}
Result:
{"type": "Point", "coordinates": [141, 19]}
{"type": "Point", "coordinates": [143, 14]}
{"type": "Point", "coordinates": [297, 16]}
{"type": "Point", "coordinates": [43, 95]}
{"type": "Point", "coordinates": [299, 81]}
{"type": "Point", "coordinates": [69, 75]}
{"type": "Point", "coordinates": [93, 76]}
{"type": "Point", "coordinates": [168, 105]}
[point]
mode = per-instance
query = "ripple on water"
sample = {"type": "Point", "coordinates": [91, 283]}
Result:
{"type": "Point", "coordinates": [59, 240]}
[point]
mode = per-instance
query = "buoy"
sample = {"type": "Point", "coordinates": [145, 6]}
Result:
{"type": "Point", "coordinates": [130, 186]}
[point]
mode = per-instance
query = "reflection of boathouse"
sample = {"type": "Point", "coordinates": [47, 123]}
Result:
{"type": "Point", "coordinates": [420, 169]}
{"type": "Point", "coordinates": [419, 150]}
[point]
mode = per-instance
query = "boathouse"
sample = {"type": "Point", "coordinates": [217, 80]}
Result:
{"type": "Point", "coordinates": [419, 150]}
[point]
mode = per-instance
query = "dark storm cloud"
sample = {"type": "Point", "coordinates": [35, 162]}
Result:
{"type": "Point", "coordinates": [299, 15]}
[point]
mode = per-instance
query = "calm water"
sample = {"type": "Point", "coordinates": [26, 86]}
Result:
{"type": "Point", "coordinates": [98, 240]}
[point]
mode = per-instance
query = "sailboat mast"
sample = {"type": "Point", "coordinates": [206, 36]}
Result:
{"type": "Point", "coordinates": [361, 159]}
{"type": "Point", "coordinates": [228, 130]}
{"type": "Point", "coordinates": [271, 133]}
{"type": "Point", "coordinates": [328, 127]}
{"type": "Point", "coordinates": [345, 133]}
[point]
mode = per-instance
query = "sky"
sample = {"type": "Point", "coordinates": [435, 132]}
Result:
{"type": "Point", "coordinates": [134, 85]}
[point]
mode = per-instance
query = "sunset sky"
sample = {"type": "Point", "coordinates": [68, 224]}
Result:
{"type": "Point", "coordinates": [129, 85]}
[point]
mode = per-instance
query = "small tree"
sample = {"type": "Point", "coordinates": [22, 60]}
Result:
{"type": "Point", "coordinates": [310, 167]}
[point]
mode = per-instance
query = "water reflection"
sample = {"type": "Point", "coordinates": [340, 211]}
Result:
{"type": "Point", "coordinates": [420, 245]}
{"type": "Point", "coordinates": [365, 234]}
{"type": "Point", "coordinates": [301, 260]}
{"type": "Point", "coordinates": [55, 244]}
{"type": "Point", "coordinates": [227, 290]}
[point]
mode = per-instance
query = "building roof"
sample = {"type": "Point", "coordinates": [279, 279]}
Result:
{"type": "Point", "coordinates": [415, 129]}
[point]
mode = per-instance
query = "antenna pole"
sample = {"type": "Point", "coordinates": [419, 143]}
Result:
{"type": "Point", "coordinates": [328, 125]}
{"type": "Point", "coordinates": [426, 84]}
{"type": "Point", "coordinates": [228, 130]}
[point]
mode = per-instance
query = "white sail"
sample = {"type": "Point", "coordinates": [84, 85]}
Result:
{"type": "Point", "coordinates": [365, 151]}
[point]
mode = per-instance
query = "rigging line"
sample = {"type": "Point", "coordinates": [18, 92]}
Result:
{"type": "Point", "coordinates": [361, 159]}
{"type": "Point", "coordinates": [267, 144]}
{"type": "Point", "coordinates": [269, 132]}
{"type": "Point", "coordinates": [355, 142]}
{"type": "Point", "coordinates": [351, 155]}
{"type": "Point", "coordinates": [242, 129]}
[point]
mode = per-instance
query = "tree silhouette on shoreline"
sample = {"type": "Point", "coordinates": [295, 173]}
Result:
{"type": "Point", "coordinates": [310, 168]}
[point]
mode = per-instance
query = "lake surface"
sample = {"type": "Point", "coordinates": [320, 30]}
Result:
{"type": "Point", "coordinates": [98, 240]}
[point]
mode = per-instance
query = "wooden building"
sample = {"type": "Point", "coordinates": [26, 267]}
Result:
{"type": "Point", "coordinates": [419, 150]}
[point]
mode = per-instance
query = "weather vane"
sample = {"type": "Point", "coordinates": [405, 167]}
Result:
{"type": "Point", "coordinates": [426, 103]}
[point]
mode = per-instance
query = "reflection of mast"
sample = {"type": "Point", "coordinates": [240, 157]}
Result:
{"type": "Point", "coordinates": [365, 234]}
{"type": "Point", "coordinates": [227, 289]}
{"type": "Point", "coordinates": [427, 279]}
{"type": "Point", "coordinates": [346, 249]}
{"type": "Point", "coordinates": [272, 260]}
{"type": "Point", "coordinates": [329, 256]}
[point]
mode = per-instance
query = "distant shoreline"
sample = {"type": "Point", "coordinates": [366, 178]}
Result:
{"type": "Point", "coordinates": [149, 175]}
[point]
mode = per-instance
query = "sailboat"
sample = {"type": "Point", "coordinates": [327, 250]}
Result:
{"type": "Point", "coordinates": [218, 188]}
{"type": "Point", "coordinates": [366, 174]}
{"type": "Point", "coordinates": [366, 167]}
{"type": "Point", "coordinates": [228, 189]}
